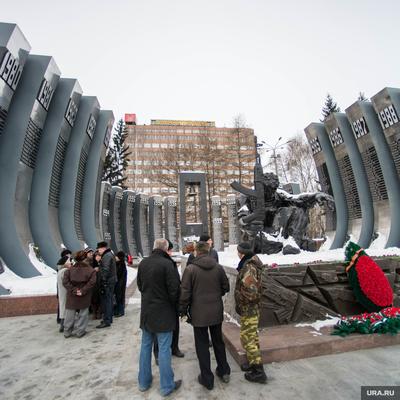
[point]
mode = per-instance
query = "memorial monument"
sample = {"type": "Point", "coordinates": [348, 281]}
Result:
{"type": "Point", "coordinates": [267, 212]}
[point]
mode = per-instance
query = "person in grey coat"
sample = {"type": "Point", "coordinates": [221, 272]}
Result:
{"type": "Point", "coordinates": [62, 265]}
{"type": "Point", "coordinates": [108, 279]}
{"type": "Point", "coordinates": [204, 282]}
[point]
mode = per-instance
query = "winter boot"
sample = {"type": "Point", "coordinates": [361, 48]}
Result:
{"type": "Point", "coordinates": [245, 367]}
{"type": "Point", "coordinates": [61, 325]}
{"type": "Point", "coordinates": [256, 374]}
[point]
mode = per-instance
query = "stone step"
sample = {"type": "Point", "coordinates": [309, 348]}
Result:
{"type": "Point", "coordinates": [288, 342]}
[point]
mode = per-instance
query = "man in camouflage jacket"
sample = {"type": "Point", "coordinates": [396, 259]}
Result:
{"type": "Point", "coordinates": [247, 298]}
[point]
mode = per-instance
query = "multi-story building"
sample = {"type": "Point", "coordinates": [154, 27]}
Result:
{"type": "Point", "coordinates": [164, 148]}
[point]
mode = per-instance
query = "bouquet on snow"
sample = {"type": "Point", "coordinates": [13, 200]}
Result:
{"type": "Point", "coordinates": [370, 285]}
{"type": "Point", "coordinates": [385, 321]}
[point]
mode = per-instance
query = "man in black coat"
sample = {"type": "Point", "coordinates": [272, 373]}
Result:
{"type": "Point", "coordinates": [158, 283]}
{"type": "Point", "coordinates": [204, 282]}
{"type": "Point", "coordinates": [120, 287]}
{"type": "Point", "coordinates": [108, 279]}
{"type": "Point", "coordinates": [175, 334]}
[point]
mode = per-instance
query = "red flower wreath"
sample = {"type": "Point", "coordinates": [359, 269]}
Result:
{"type": "Point", "coordinates": [373, 282]}
{"type": "Point", "coordinates": [369, 283]}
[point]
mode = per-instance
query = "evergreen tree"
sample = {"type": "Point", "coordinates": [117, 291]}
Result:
{"type": "Point", "coordinates": [117, 157]}
{"type": "Point", "coordinates": [329, 107]}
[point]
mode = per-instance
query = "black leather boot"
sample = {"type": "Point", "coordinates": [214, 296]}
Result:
{"type": "Point", "coordinates": [245, 367]}
{"type": "Point", "coordinates": [256, 374]}
{"type": "Point", "coordinates": [61, 325]}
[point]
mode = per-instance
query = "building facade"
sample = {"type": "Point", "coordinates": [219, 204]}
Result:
{"type": "Point", "coordinates": [163, 149]}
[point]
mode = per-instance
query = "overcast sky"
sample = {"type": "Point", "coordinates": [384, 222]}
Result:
{"type": "Point", "coordinates": [272, 61]}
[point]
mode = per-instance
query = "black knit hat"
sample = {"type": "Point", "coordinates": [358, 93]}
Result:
{"type": "Point", "coordinates": [101, 244]}
{"type": "Point", "coordinates": [204, 238]}
{"type": "Point", "coordinates": [121, 255]}
{"type": "Point", "coordinates": [245, 248]}
{"type": "Point", "coordinates": [65, 252]}
{"type": "Point", "coordinates": [62, 260]}
{"type": "Point", "coordinates": [170, 245]}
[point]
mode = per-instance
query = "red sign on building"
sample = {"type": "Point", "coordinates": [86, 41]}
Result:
{"type": "Point", "coordinates": [130, 119]}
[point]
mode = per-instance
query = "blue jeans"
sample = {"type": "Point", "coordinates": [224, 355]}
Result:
{"type": "Point", "coordinates": [164, 339]}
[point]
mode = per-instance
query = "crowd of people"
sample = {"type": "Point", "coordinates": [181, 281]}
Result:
{"type": "Point", "coordinates": [197, 298]}
{"type": "Point", "coordinates": [95, 281]}
{"type": "Point", "coordinates": [90, 281]}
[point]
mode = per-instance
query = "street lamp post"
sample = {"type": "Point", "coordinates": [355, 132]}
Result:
{"type": "Point", "coordinates": [278, 145]}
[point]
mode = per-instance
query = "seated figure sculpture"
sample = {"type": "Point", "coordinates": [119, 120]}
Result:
{"type": "Point", "coordinates": [266, 210]}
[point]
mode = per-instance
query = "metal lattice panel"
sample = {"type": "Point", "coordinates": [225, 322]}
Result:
{"type": "Point", "coordinates": [98, 186]}
{"type": "Point", "coordinates": [315, 146]}
{"type": "Point", "coordinates": [131, 216]}
{"type": "Point", "coordinates": [78, 193]}
{"type": "Point", "coordinates": [106, 214]}
{"type": "Point", "coordinates": [374, 174]}
{"type": "Point", "coordinates": [350, 187]}
{"type": "Point", "coordinates": [395, 150]}
{"type": "Point", "coordinates": [56, 173]}
{"type": "Point", "coordinates": [117, 219]}
{"type": "Point", "coordinates": [3, 116]}
{"type": "Point", "coordinates": [31, 144]}
{"type": "Point", "coordinates": [324, 179]}
{"type": "Point", "coordinates": [326, 187]}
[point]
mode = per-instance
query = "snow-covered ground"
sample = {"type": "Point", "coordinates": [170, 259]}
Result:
{"type": "Point", "coordinates": [45, 284]}
{"type": "Point", "coordinates": [229, 257]}
{"type": "Point", "coordinates": [317, 325]}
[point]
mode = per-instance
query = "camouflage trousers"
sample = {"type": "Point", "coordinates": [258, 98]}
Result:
{"type": "Point", "coordinates": [249, 338]}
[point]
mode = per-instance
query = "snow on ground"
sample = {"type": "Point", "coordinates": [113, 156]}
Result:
{"type": "Point", "coordinates": [43, 269]}
{"type": "Point", "coordinates": [42, 284]}
{"type": "Point", "coordinates": [317, 325]}
{"type": "Point", "coordinates": [132, 273]}
{"type": "Point", "coordinates": [229, 318]}
{"type": "Point", "coordinates": [46, 282]}
{"type": "Point", "coordinates": [28, 286]}
{"type": "Point", "coordinates": [229, 257]}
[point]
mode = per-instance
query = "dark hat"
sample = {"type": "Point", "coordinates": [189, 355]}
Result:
{"type": "Point", "coordinates": [170, 245]}
{"type": "Point", "coordinates": [245, 248]}
{"type": "Point", "coordinates": [62, 260]}
{"type": "Point", "coordinates": [202, 248]}
{"type": "Point", "coordinates": [121, 255]}
{"type": "Point", "coordinates": [204, 238]}
{"type": "Point", "coordinates": [101, 244]}
{"type": "Point", "coordinates": [65, 252]}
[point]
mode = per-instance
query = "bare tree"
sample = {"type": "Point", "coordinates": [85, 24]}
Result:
{"type": "Point", "coordinates": [298, 163]}
{"type": "Point", "coordinates": [239, 124]}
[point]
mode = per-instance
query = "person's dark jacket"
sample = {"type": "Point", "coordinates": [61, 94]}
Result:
{"type": "Point", "coordinates": [108, 269]}
{"type": "Point", "coordinates": [248, 288]}
{"type": "Point", "coordinates": [80, 276]}
{"type": "Point", "coordinates": [120, 287]}
{"type": "Point", "coordinates": [158, 282]}
{"type": "Point", "coordinates": [204, 282]}
{"type": "Point", "coordinates": [213, 253]}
